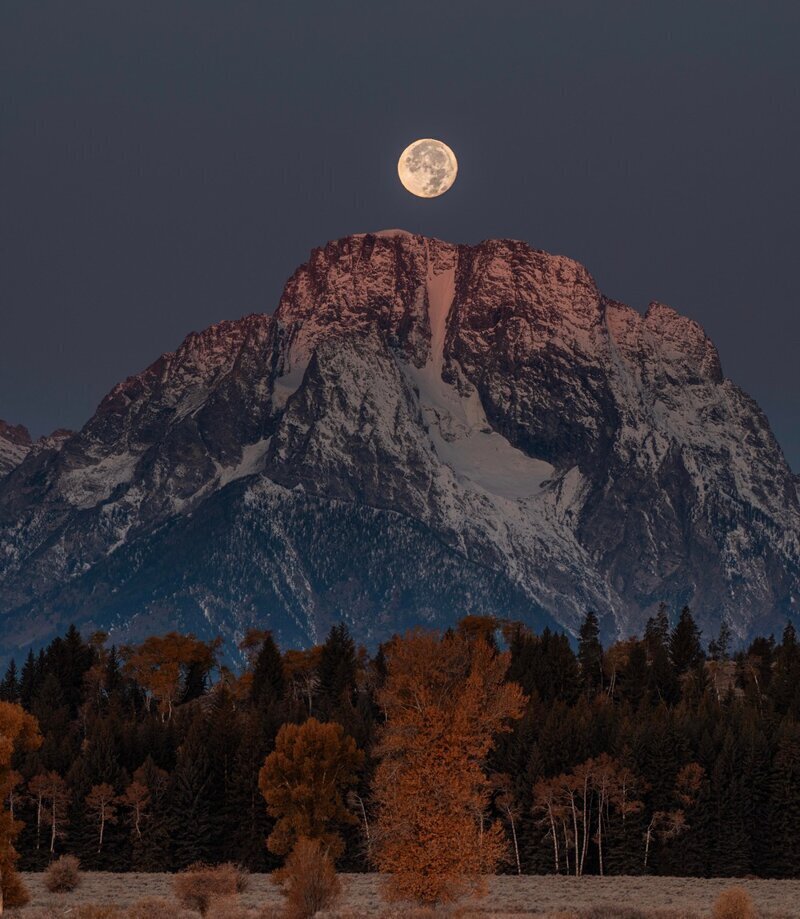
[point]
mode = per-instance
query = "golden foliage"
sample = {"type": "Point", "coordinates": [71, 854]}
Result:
{"type": "Point", "coordinates": [63, 875]}
{"type": "Point", "coordinates": [309, 880]}
{"type": "Point", "coordinates": [734, 903]}
{"type": "Point", "coordinates": [160, 662]}
{"type": "Point", "coordinates": [304, 782]}
{"type": "Point", "coordinates": [201, 885]}
{"type": "Point", "coordinates": [445, 700]}
{"type": "Point", "coordinates": [18, 731]}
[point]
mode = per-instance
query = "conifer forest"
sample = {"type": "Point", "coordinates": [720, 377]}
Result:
{"type": "Point", "coordinates": [654, 755]}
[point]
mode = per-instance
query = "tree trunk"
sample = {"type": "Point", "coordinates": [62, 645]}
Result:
{"type": "Point", "coordinates": [577, 838]}
{"type": "Point", "coordinates": [516, 845]}
{"type": "Point", "coordinates": [600, 834]}
{"type": "Point", "coordinates": [102, 827]}
{"type": "Point", "coordinates": [586, 822]}
{"type": "Point", "coordinates": [38, 822]}
{"type": "Point", "coordinates": [554, 831]}
{"type": "Point", "coordinates": [366, 825]}
{"type": "Point", "coordinates": [647, 836]}
{"type": "Point", "coordinates": [53, 829]}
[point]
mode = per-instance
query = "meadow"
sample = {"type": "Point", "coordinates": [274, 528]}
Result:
{"type": "Point", "coordinates": [508, 896]}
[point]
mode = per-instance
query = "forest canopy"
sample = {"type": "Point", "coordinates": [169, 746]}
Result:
{"type": "Point", "coordinates": [653, 755]}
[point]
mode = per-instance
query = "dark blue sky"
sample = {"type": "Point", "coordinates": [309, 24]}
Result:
{"type": "Point", "coordinates": [164, 165]}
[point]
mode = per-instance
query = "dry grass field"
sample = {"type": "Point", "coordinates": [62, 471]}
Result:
{"type": "Point", "coordinates": [592, 897]}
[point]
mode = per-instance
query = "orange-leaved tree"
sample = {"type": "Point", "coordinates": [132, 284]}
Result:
{"type": "Point", "coordinates": [18, 731]}
{"type": "Point", "coordinates": [101, 802]}
{"type": "Point", "coordinates": [305, 781]}
{"type": "Point", "coordinates": [165, 666]}
{"type": "Point", "coordinates": [445, 700]}
{"type": "Point", "coordinates": [52, 796]}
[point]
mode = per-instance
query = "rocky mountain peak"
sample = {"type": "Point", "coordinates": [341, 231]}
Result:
{"type": "Point", "coordinates": [15, 442]}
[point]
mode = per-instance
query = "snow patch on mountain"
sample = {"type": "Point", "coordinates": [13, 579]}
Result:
{"type": "Point", "coordinates": [252, 462]}
{"type": "Point", "coordinates": [457, 424]}
{"type": "Point", "coordinates": [89, 484]}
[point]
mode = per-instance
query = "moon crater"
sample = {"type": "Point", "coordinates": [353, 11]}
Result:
{"type": "Point", "coordinates": [427, 168]}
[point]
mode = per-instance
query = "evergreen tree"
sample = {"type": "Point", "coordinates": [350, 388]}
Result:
{"type": "Point", "coordinates": [634, 675]}
{"type": "Point", "coordinates": [719, 647]}
{"type": "Point", "coordinates": [785, 687]}
{"type": "Point", "coordinates": [685, 650]}
{"type": "Point", "coordinates": [29, 681]}
{"type": "Point", "coordinates": [252, 826]}
{"type": "Point", "coordinates": [784, 812]}
{"type": "Point", "coordinates": [268, 685]}
{"type": "Point", "coordinates": [338, 668]}
{"type": "Point", "coordinates": [148, 817]}
{"type": "Point", "coordinates": [224, 739]}
{"type": "Point", "coordinates": [762, 655]}
{"type": "Point", "coordinates": [590, 655]}
{"type": "Point", "coordinates": [656, 633]}
{"type": "Point", "coordinates": [544, 664]}
{"type": "Point", "coordinates": [190, 814]}
{"type": "Point", "coordinates": [113, 681]}
{"type": "Point", "coordinates": [10, 688]}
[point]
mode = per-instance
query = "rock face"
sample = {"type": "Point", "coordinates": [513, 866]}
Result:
{"type": "Point", "coordinates": [421, 430]}
{"type": "Point", "coordinates": [15, 442]}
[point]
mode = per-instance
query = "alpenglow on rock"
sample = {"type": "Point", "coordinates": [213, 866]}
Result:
{"type": "Point", "coordinates": [421, 430]}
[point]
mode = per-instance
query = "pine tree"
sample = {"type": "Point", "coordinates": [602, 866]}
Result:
{"type": "Point", "coordinates": [784, 822]}
{"type": "Point", "coordinates": [10, 688]}
{"type": "Point", "coordinates": [224, 739]}
{"type": "Point", "coordinates": [337, 669]}
{"type": "Point", "coordinates": [29, 681]}
{"type": "Point", "coordinates": [590, 655]}
{"type": "Point", "coordinates": [253, 825]}
{"type": "Point", "coordinates": [634, 676]}
{"type": "Point", "coordinates": [663, 681]}
{"type": "Point", "coordinates": [146, 800]}
{"type": "Point", "coordinates": [719, 647]}
{"type": "Point", "coordinates": [656, 633]}
{"type": "Point", "coordinates": [268, 685]}
{"type": "Point", "coordinates": [190, 796]}
{"type": "Point", "coordinates": [113, 682]}
{"type": "Point", "coordinates": [685, 650]}
{"type": "Point", "coordinates": [785, 687]}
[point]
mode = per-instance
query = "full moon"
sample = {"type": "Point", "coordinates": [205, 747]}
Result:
{"type": "Point", "coordinates": [427, 168]}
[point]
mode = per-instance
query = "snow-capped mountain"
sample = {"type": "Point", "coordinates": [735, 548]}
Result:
{"type": "Point", "coordinates": [420, 430]}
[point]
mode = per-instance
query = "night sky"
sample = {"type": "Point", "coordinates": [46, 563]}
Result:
{"type": "Point", "coordinates": [166, 165]}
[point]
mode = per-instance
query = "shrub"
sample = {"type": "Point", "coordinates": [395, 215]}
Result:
{"type": "Point", "coordinates": [200, 885]}
{"type": "Point", "coordinates": [309, 880]}
{"type": "Point", "coordinates": [15, 893]}
{"type": "Point", "coordinates": [241, 874]}
{"type": "Point", "coordinates": [63, 875]}
{"type": "Point", "coordinates": [734, 903]}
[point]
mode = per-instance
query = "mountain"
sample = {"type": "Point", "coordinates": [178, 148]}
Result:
{"type": "Point", "coordinates": [420, 430]}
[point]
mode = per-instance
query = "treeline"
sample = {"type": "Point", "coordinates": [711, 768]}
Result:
{"type": "Point", "coordinates": [654, 755]}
